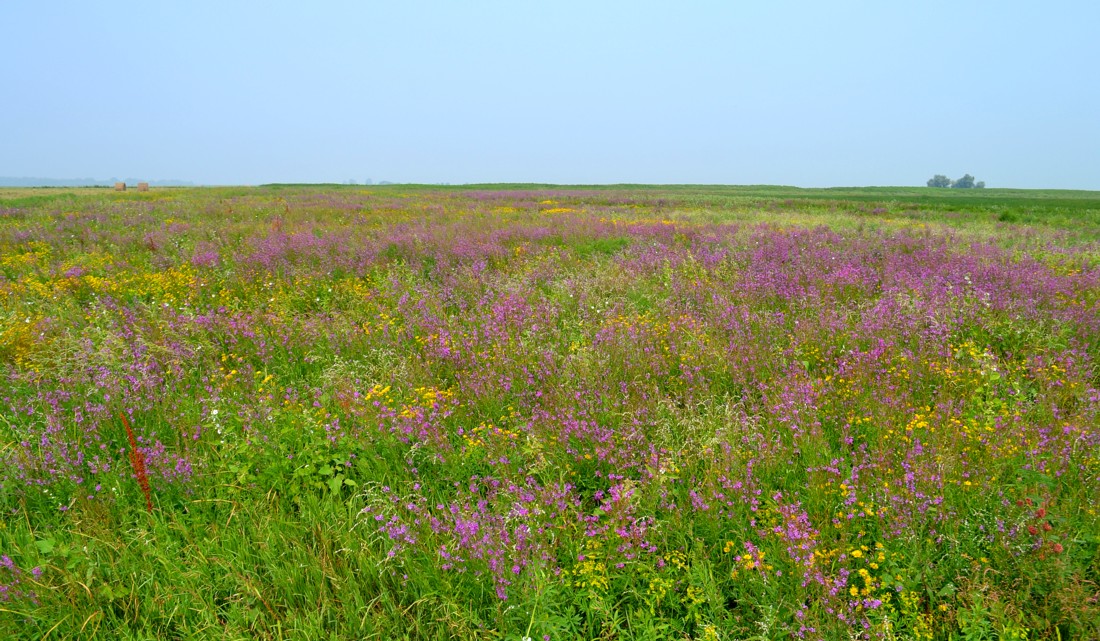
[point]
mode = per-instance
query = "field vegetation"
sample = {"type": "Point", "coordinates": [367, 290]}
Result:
{"type": "Point", "coordinates": [524, 411]}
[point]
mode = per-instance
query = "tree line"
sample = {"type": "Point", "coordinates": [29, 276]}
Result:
{"type": "Point", "coordinates": [966, 182]}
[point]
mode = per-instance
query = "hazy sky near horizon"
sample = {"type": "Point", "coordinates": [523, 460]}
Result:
{"type": "Point", "coordinates": [795, 93]}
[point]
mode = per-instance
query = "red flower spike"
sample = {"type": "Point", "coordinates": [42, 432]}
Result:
{"type": "Point", "coordinates": [137, 461]}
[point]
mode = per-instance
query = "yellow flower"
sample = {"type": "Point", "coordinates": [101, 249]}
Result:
{"type": "Point", "coordinates": [857, 553]}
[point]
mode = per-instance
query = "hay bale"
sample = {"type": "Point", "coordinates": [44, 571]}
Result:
{"type": "Point", "coordinates": [143, 186]}
{"type": "Point", "coordinates": [120, 186]}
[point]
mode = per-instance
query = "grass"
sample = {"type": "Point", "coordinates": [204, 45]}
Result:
{"type": "Point", "coordinates": [507, 411]}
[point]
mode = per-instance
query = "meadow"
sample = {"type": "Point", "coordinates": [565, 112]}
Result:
{"type": "Point", "coordinates": [524, 411]}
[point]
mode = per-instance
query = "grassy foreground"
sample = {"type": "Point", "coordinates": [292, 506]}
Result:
{"type": "Point", "coordinates": [510, 411]}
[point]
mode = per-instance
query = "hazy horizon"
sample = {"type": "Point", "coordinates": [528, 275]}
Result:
{"type": "Point", "coordinates": [791, 93]}
{"type": "Point", "coordinates": [55, 183]}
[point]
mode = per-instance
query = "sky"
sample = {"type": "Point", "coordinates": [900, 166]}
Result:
{"type": "Point", "coordinates": [811, 94]}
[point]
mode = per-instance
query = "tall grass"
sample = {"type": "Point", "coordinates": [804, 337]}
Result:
{"type": "Point", "coordinates": [551, 413]}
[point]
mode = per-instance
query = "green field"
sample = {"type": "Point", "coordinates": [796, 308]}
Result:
{"type": "Point", "coordinates": [549, 411]}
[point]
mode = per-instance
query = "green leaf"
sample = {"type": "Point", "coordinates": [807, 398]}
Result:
{"type": "Point", "coordinates": [45, 546]}
{"type": "Point", "coordinates": [326, 470]}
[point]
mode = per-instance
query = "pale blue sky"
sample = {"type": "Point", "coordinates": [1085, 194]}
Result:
{"type": "Point", "coordinates": [795, 93]}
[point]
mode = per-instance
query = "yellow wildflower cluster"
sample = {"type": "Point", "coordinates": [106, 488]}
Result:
{"type": "Point", "coordinates": [19, 340]}
{"type": "Point", "coordinates": [477, 437]}
{"type": "Point", "coordinates": [591, 572]}
{"type": "Point", "coordinates": [36, 253]}
{"type": "Point", "coordinates": [747, 562]}
{"type": "Point", "coordinates": [658, 589]}
{"type": "Point", "coordinates": [676, 559]}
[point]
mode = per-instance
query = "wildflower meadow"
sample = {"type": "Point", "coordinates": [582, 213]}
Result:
{"type": "Point", "coordinates": [528, 412]}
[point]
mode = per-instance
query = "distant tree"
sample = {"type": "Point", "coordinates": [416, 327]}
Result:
{"type": "Point", "coordinates": [979, 185]}
{"type": "Point", "coordinates": [939, 180]}
{"type": "Point", "coordinates": [966, 182]}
